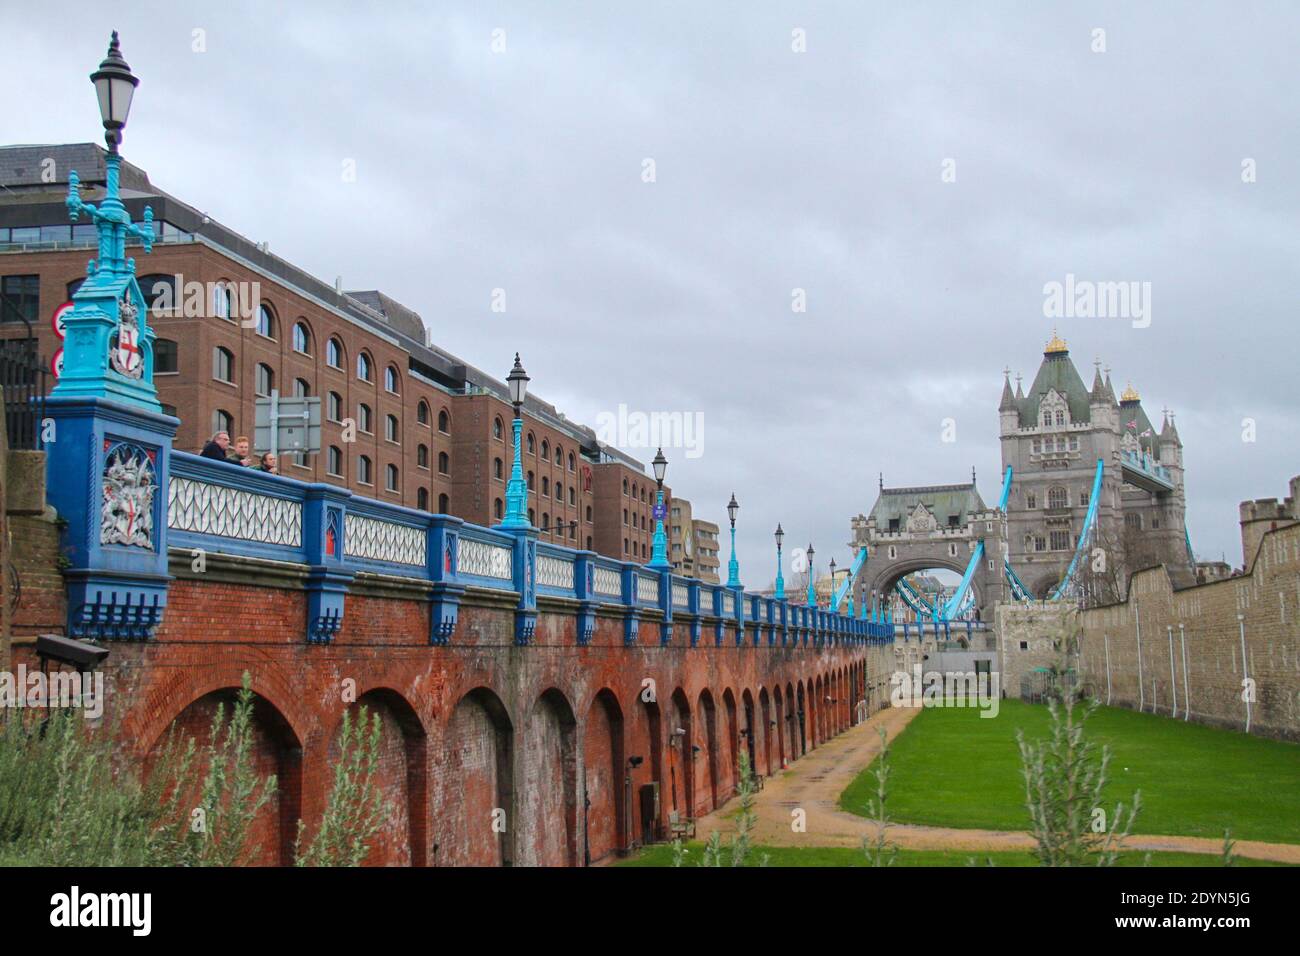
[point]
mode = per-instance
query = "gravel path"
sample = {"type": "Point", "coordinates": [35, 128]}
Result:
{"type": "Point", "coordinates": [815, 782]}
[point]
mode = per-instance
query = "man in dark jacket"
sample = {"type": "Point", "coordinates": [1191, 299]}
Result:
{"type": "Point", "coordinates": [216, 448]}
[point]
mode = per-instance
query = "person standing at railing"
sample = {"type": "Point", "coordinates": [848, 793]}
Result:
{"type": "Point", "coordinates": [242, 455]}
{"type": "Point", "coordinates": [269, 463]}
{"type": "Point", "coordinates": [217, 447]}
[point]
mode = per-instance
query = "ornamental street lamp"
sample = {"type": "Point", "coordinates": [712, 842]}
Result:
{"type": "Point", "coordinates": [517, 488]}
{"type": "Point", "coordinates": [110, 317]}
{"type": "Point", "coordinates": [832, 599]}
{"type": "Point", "coordinates": [115, 86]}
{"type": "Point", "coordinates": [780, 581]}
{"type": "Point", "coordinates": [733, 566]}
{"type": "Point", "coordinates": [659, 546]}
{"type": "Point", "coordinates": [812, 594]}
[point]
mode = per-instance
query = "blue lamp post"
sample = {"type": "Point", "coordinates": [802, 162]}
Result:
{"type": "Point", "coordinates": [780, 581]}
{"type": "Point", "coordinates": [659, 547]}
{"type": "Point", "coordinates": [517, 488]}
{"type": "Point", "coordinates": [733, 566]}
{"type": "Point", "coordinates": [812, 593]}
{"type": "Point", "coordinates": [109, 350]}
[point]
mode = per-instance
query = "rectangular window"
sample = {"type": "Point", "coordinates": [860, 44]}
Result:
{"type": "Point", "coordinates": [1060, 540]}
{"type": "Point", "coordinates": [20, 298]}
{"type": "Point", "coordinates": [1040, 543]}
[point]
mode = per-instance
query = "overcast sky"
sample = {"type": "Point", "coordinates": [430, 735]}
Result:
{"type": "Point", "coordinates": [523, 169]}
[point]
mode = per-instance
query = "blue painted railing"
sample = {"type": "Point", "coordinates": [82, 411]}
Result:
{"type": "Point", "coordinates": [217, 508]}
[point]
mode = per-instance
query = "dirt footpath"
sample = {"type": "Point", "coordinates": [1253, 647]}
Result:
{"type": "Point", "coordinates": [815, 782]}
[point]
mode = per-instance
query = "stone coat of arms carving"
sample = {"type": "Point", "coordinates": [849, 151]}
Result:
{"type": "Point", "coordinates": [126, 355]}
{"type": "Point", "coordinates": [126, 515]}
{"type": "Point", "coordinates": [921, 520]}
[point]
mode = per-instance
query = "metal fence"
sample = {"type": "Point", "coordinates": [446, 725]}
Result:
{"type": "Point", "coordinates": [23, 383]}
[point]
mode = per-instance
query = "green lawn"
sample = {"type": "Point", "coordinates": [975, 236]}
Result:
{"type": "Point", "coordinates": [951, 767]}
{"type": "Point", "coordinates": [662, 855]}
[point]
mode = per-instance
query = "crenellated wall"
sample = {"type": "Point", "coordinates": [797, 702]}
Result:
{"type": "Point", "coordinates": [1199, 653]}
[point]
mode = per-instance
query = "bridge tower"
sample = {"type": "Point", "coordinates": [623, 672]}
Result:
{"type": "Point", "coordinates": [933, 526]}
{"type": "Point", "coordinates": [1052, 437]}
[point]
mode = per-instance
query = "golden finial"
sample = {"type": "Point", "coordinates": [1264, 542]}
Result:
{"type": "Point", "coordinates": [1056, 345]}
{"type": "Point", "coordinates": [1129, 394]}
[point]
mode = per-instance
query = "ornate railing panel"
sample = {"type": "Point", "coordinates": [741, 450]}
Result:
{"type": "Point", "coordinates": [377, 540]}
{"type": "Point", "coordinates": [204, 508]}
{"type": "Point", "coordinates": [484, 559]}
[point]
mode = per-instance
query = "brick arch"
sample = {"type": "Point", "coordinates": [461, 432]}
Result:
{"type": "Point", "coordinates": [729, 754]}
{"type": "Point", "coordinates": [781, 731]}
{"type": "Point", "coordinates": [276, 750]}
{"type": "Point", "coordinates": [752, 727]}
{"type": "Point", "coordinates": [402, 776]}
{"type": "Point", "coordinates": [475, 774]}
{"type": "Point", "coordinates": [799, 726]}
{"type": "Point", "coordinates": [645, 739]}
{"type": "Point", "coordinates": [708, 744]}
{"type": "Point", "coordinates": [547, 807]}
{"type": "Point", "coordinates": [681, 761]}
{"type": "Point", "coordinates": [606, 779]}
{"type": "Point", "coordinates": [184, 686]}
{"type": "Point", "coordinates": [813, 704]}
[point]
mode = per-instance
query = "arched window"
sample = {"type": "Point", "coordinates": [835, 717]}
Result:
{"type": "Point", "coordinates": [390, 477]}
{"type": "Point", "coordinates": [498, 509]}
{"type": "Point", "coordinates": [334, 463]}
{"type": "Point", "coordinates": [444, 421]}
{"type": "Point", "coordinates": [165, 361]}
{"type": "Point", "coordinates": [530, 516]}
{"type": "Point", "coordinates": [422, 499]}
{"type": "Point", "coordinates": [498, 469]}
{"type": "Point", "coordinates": [498, 430]}
{"type": "Point", "coordinates": [301, 337]}
{"type": "Point", "coordinates": [1057, 498]}
{"type": "Point", "coordinates": [364, 475]}
{"type": "Point", "coordinates": [546, 449]}
{"type": "Point", "coordinates": [264, 380]}
{"type": "Point", "coordinates": [265, 321]}
{"type": "Point", "coordinates": [625, 486]}
{"type": "Point", "coordinates": [546, 487]}
{"type": "Point", "coordinates": [221, 306]}
{"type": "Point", "coordinates": [301, 388]}
{"type": "Point", "coordinates": [559, 456]}
{"type": "Point", "coordinates": [422, 413]}
{"type": "Point", "coordinates": [532, 448]}
{"type": "Point", "coordinates": [570, 461]}
{"type": "Point", "coordinates": [334, 353]}
{"type": "Point", "coordinates": [1060, 417]}
{"type": "Point", "coordinates": [588, 542]}
{"type": "Point", "coordinates": [546, 521]}
{"type": "Point", "coordinates": [223, 365]}
{"type": "Point", "coordinates": [530, 481]}
{"type": "Point", "coordinates": [444, 463]}
{"type": "Point", "coordinates": [334, 408]}
{"type": "Point", "coordinates": [364, 368]}
{"type": "Point", "coordinates": [363, 417]}
{"type": "Point", "coordinates": [222, 421]}
{"type": "Point", "coordinates": [559, 491]}
{"type": "Point", "coordinates": [588, 512]}
{"type": "Point", "coordinates": [422, 456]}
{"type": "Point", "coordinates": [573, 496]}
{"type": "Point", "coordinates": [444, 504]}
{"type": "Point", "coordinates": [390, 428]}
{"type": "Point", "coordinates": [391, 380]}
{"type": "Point", "coordinates": [159, 295]}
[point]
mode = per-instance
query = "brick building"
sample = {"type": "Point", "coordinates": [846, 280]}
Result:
{"type": "Point", "coordinates": [402, 420]}
{"type": "Point", "coordinates": [694, 550]}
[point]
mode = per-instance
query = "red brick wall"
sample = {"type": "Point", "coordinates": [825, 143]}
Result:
{"type": "Point", "coordinates": [469, 728]}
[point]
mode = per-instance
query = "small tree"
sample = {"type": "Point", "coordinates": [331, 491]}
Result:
{"type": "Point", "coordinates": [1064, 779]}
{"type": "Point", "coordinates": [879, 851]}
{"type": "Point", "coordinates": [355, 811]}
{"type": "Point", "coordinates": [742, 847]}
